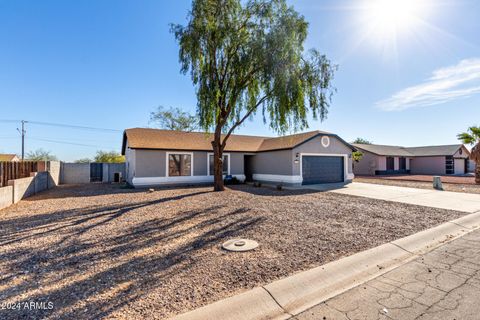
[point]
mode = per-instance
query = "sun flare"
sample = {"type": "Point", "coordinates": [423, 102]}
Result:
{"type": "Point", "coordinates": [388, 18]}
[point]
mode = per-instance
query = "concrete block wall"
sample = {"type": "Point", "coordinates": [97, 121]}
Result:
{"type": "Point", "coordinates": [53, 168]}
{"type": "Point", "coordinates": [111, 169]}
{"type": "Point", "coordinates": [41, 181]}
{"type": "Point", "coordinates": [19, 189]}
{"type": "Point", "coordinates": [27, 187]}
{"type": "Point", "coordinates": [79, 173]}
{"type": "Point", "coordinates": [6, 196]}
{"type": "Point", "coordinates": [75, 173]}
{"type": "Point", "coordinates": [23, 188]}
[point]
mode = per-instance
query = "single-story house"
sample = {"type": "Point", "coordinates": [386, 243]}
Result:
{"type": "Point", "coordinates": [8, 157]}
{"type": "Point", "coordinates": [164, 157]}
{"type": "Point", "coordinates": [431, 160]}
{"type": "Point", "coordinates": [471, 166]}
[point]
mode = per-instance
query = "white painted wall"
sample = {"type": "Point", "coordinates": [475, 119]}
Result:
{"type": "Point", "coordinates": [459, 166]}
{"type": "Point", "coordinates": [382, 163]}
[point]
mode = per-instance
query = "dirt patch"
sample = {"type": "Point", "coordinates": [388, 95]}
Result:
{"type": "Point", "coordinates": [454, 187]}
{"type": "Point", "coordinates": [99, 251]}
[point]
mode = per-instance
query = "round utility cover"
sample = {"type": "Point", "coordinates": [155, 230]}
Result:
{"type": "Point", "coordinates": [240, 245]}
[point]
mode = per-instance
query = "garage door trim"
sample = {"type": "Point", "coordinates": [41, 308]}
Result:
{"type": "Point", "coordinates": [345, 161]}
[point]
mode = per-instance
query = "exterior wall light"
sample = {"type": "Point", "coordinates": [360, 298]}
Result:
{"type": "Point", "coordinates": [297, 158]}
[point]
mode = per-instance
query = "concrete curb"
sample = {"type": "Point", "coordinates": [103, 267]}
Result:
{"type": "Point", "coordinates": [292, 295]}
{"type": "Point", "coordinates": [254, 304]}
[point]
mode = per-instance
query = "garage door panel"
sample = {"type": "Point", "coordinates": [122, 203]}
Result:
{"type": "Point", "coordinates": [322, 169]}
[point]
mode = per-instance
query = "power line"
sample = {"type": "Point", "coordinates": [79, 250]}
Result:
{"type": "Point", "coordinates": [53, 124]}
{"type": "Point", "coordinates": [67, 142]}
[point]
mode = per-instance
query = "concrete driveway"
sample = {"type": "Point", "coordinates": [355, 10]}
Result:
{"type": "Point", "coordinates": [465, 202]}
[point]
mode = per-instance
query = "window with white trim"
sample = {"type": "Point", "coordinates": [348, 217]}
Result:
{"type": "Point", "coordinates": [225, 164]}
{"type": "Point", "coordinates": [179, 165]}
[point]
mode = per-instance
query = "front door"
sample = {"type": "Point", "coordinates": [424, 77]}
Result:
{"type": "Point", "coordinates": [390, 164]}
{"type": "Point", "coordinates": [248, 167]}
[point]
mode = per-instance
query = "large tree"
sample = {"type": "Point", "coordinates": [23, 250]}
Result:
{"type": "Point", "coordinates": [173, 119]}
{"type": "Point", "coordinates": [358, 155]}
{"type": "Point", "coordinates": [109, 157]}
{"type": "Point", "coordinates": [472, 137]}
{"type": "Point", "coordinates": [362, 141]}
{"type": "Point", "coordinates": [246, 56]}
{"type": "Point", "coordinates": [41, 155]}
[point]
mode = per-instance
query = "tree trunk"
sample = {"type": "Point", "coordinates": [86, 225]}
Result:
{"type": "Point", "coordinates": [217, 163]}
{"type": "Point", "coordinates": [477, 172]}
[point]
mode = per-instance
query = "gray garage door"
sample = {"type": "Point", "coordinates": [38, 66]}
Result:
{"type": "Point", "coordinates": [322, 169]}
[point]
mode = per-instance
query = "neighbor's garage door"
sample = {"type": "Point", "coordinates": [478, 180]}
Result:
{"type": "Point", "coordinates": [321, 169]}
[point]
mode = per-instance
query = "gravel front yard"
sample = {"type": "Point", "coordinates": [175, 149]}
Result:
{"type": "Point", "coordinates": [454, 187]}
{"type": "Point", "coordinates": [99, 251]}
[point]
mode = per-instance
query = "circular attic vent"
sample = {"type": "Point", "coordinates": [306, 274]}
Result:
{"type": "Point", "coordinates": [325, 141]}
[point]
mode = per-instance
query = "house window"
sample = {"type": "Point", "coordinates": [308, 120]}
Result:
{"type": "Point", "coordinates": [390, 163]}
{"type": "Point", "coordinates": [449, 165]}
{"type": "Point", "coordinates": [179, 165]}
{"type": "Point", "coordinates": [225, 164]}
{"type": "Point", "coordinates": [402, 162]}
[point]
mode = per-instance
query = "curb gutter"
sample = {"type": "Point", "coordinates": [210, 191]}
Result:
{"type": "Point", "coordinates": [292, 295]}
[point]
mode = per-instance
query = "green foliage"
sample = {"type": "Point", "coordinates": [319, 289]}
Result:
{"type": "Point", "coordinates": [83, 160]}
{"type": "Point", "coordinates": [174, 119]}
{"type": "Point", "coordinates": [109, 157]}
{"type": "Point", "coordinates": [246, 56]}
{"type": "Point", "coordinates": [362, 141]}
{"type": "Point", "coordinates": [357, 156]}
{"type": "Point", "coordinates": [40, 155]}
{"type": "Point", "coordinates": [242, 55]}
{"type": "Point", "coordinates": [472, 137]}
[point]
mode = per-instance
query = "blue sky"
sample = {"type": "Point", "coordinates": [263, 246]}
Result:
{"type": "Point", "coordinates": [109, 63]}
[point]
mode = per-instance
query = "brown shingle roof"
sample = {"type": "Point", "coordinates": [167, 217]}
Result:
{"type": "Point", "coordinates": [143, 138]}
{"type": "Point", "coordinates": [383, 150]}
{"type": "Point", "coordinates": [7, 157]}
{"type": "Point", "coordinates": [428, 151]}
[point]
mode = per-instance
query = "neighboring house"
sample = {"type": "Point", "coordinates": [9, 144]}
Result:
{"type": "Point", "coordinates": [9, 157]}
{"type": "Point", "coordinates": [163, 157]}
{"type": "Point", "coordinates": [471, 166]}
{"type": "Point", "coordinates": [437, 160]}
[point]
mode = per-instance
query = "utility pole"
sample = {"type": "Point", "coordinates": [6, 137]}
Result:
{"type": "Point", "coordinates": [22, 132]}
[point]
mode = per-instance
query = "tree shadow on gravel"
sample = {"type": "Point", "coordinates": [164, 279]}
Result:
{"type": "Point", "coordinates": [270, 190]}
{"type": "Point", "coordinates": [96, 189]}
{"type": "Point", "coordinates": [91, 277]}
{"type": "Point", "coordinates": [11, 230]}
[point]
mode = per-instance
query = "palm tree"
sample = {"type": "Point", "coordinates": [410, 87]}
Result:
{"type": "Point", "coordinates": [472, 137]}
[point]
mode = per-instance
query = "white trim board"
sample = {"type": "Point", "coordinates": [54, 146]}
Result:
{"type": "Point", "coordinates": [208, 162]}
{"type": "Point", "coordinates": [167, 155]}
{"type": "Point", "coordinates": [277, 178]}
{"type": "Point", "coordinates": [150, 181]}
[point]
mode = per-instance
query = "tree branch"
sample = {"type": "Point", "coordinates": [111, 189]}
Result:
{"type": "Point", "coordinates": [245, 117]}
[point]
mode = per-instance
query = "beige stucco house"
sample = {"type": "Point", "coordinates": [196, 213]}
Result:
{"type": "Point", "coordinates": [8, 157]}
{"type": "Point", "coordinates": [431, 160]}
{"type": "Point", "coordinates": [163, 157]}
